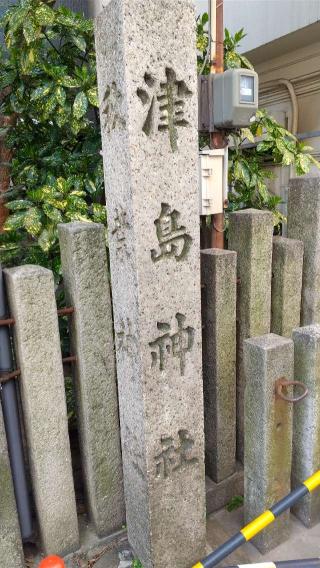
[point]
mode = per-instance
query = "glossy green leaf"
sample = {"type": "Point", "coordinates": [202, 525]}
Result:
{"type": "Point", "coordinates": [60, 95]}
{"type": "Point", "coordinates": [15, 221]}
{"type": "Point", "coordinates": [79, 41]}
{"type": "Point", "coordinates": [71, 82]}
{"type": "Point", "coordinates": [245, 62]}
{"type": "Point", "coordinates": [30, 30]}
{"type": "Point", "coordinates": [44, 15]}
{"type": "Point", "coordinates": [264, 146]}
{"type": "Point", "coordinates": [27, 60]}
{"type": "Point", "coordinates": [288, 158]}
{"type": "Point", "coordinates": [303, 163]}
{"type": "Point", "coordinates": [7, 77]}
{"type": "Point", "coordinates": [92, 95]}
{"type": "Point", "coordinates": [41, 193]}
{"type": "Point", "coordinates": [46, 240]}
{"type": "Point", "coordinates": [246, 133]}
{"type": "Point", "coordinates": [32, 221]}
{"type": "Point", "coordinates": [19, 204]}
{"type": "Point", "coordinates": [40, 92]}
{"type": "Point", "coordinates": [80, 105]}
{"type": "Point", "coordinates": [52, 213]}
{"type": "Point", "coordinates": [90, 187]}
{"type": "Point", "coordinates": [99, 213]}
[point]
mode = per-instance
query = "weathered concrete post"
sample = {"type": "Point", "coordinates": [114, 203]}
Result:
{"type": "Point", "coordinates": [148, 95]}
{"type": "Point", "coordinates": [250, 235]}
{"type": "Point", "coordinates": [287, 264]}
{"type": "Point", "coordinates": [33, 306]}
{"type": "Point", "coordinates": [85, 274]}
{"type": "Point", "coordinates": [218, 277]}
{"type": "Point", "coordinates": [268, 433]}
{"type": "Point", "coordinates": [11, 552]}
{"type": "Point", "coordinates": [306, 420]}
{"type": "Point", "coordinates": [304, 224]}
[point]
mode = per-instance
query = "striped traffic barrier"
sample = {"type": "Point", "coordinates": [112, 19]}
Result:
{"type": "Point", "coordinates": [52, 562]}
{"type": "Point", "coordinates": [260, 523]}
{"type": "Point", "coordinates": [303, 563]}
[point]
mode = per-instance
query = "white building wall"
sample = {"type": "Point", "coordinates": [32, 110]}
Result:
{"type": "Point", "coordinates": [266, 20]}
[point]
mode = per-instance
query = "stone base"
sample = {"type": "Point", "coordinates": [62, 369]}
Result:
{"type": "Point", "coordinates": [220, 494]}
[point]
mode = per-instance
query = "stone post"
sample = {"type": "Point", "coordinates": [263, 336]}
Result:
{"type": "Point", "coordinates": [85, 274]}
{"type": "Point", "coordinates": [37, 342]}
{"type": "Point", "coordinates": [218, 277]}
{"type": "Point", "coordinates": [268, 433]}
{"type": "Point", "coordinates": [11, 552]}
{"type": "Point", "coordinates": [250, 235]}
{"type": "Point", "coordinates": [287, 263]}
{"type": "Point", "coordinates": [304, 224]}
{"type": "Point", "coordinates": [148, 104]}
{"type": "Point", "coordinates": [306, 420]}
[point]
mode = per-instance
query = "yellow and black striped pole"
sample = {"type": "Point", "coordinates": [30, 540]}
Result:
{"type": "Point", "coordinates": [260, 523]}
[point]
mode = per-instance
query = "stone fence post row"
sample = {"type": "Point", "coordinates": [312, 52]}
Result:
{"type": "Point", "coordinates": [267, 272]}
{"type": "Point", "coordinates": [31, 297]}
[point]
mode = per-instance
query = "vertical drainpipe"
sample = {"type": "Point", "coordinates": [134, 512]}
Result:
{"type": "Point", "coordinates": [11, 418]}
{"type": "Point", "coordinates": [217, 138]}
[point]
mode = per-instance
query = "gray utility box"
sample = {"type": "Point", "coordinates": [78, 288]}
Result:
{"type": "Point", "coordinates": [235, 96]}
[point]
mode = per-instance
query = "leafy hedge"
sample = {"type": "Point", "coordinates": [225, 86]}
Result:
{"type": "Point", "coordinates": [48, 80]}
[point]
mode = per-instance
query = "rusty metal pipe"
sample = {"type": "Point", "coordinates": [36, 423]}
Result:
{"type": "Point", "coordinates": [61, 312]}
{"type": "Point", "coordinates": [65, 311]}
{"type": "Point", "coordinates": [218, 138]}
{"type": "Point", "coordinates": [7, 321]}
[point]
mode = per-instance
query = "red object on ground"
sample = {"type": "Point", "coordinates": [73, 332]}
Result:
{"type": "Point", "coordinates": [52, 562]}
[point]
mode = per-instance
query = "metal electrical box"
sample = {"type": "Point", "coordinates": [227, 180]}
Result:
{"type": "Point", "coordinates": [235, 96]}
{"type": "Point", "coordinates": [213, 180]}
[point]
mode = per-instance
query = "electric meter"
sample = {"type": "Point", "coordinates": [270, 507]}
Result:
{"type": "Point", "coordinates": [235, 98]}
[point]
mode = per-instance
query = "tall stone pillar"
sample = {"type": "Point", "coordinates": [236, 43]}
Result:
{"type": "Point", "coordinates": [85, 274]}
{"type": "Point", "coordinates": [306, 420]}
{"type": "Point", "coordinates": [250, 235]}
{"type": "Point", "coordinates": [268, 434]}
{"type": "Point", "coordinates": [11, 552]}
{"type": "Point", "coordinates": [148, 95]}
{"type": "Point", "coordinates": [304, 224]}
{"type": "Point", "coordinates": [33, 306]}
{"type": "Point", "coordinates": [219, 276]}
{"type": "Point", "coordinates": [287, 264]}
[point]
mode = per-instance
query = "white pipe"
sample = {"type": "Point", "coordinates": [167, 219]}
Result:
{"type": "Point", "coordinates": [294, 104]}
{"type": "Point", "coordinates": [293, 98]}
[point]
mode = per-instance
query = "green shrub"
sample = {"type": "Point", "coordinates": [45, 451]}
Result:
{"type": "Point", "coordinates": [48, 78]}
